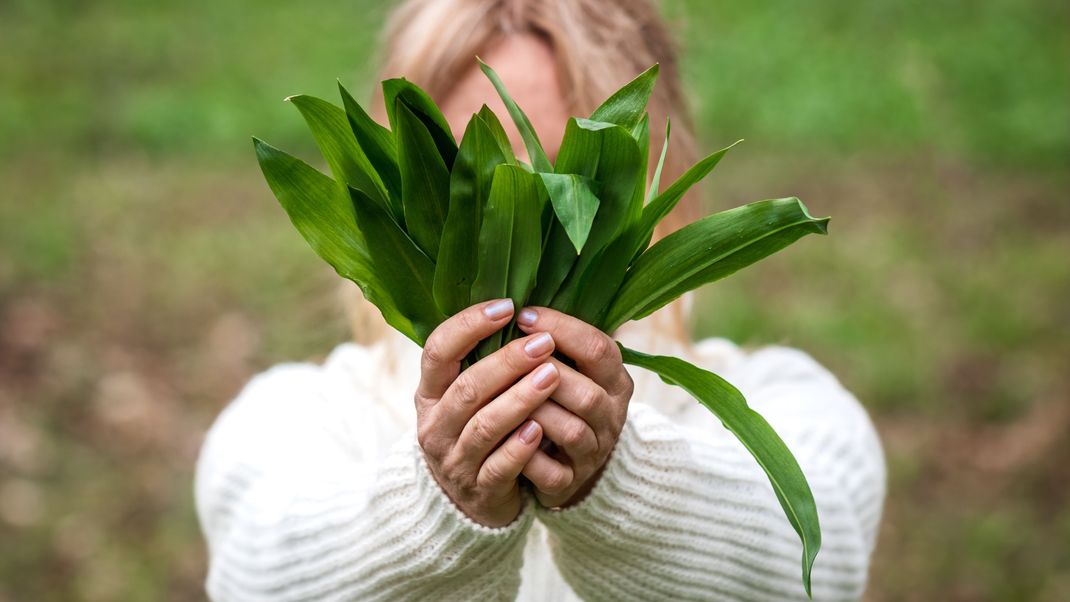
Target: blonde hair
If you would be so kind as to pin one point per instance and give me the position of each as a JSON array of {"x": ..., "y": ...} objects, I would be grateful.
[{"x": 598, "y": 46}]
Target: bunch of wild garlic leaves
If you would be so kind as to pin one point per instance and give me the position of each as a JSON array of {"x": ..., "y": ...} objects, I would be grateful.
[{"x": 427, "y": 227}]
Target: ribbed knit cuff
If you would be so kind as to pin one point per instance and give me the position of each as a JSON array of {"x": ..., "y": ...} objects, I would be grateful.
[{"x": 457, "y": 520}]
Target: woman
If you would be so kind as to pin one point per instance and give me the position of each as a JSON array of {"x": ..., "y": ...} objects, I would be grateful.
[{"x": 328, "y": 482}]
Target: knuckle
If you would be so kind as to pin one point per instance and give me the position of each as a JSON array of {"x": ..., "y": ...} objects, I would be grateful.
[
  {"x": 557, "y": 481},
  {"x": 482, "y": 432},
  {"x": 574, "y": 433},
  {"x": 599, "y": 348},
  {"x": 628, "y": 385},
  {"x": 450, "y": 466},
  {"x": 424, "y": 435},
  {"x": 468, "y": 319},
  {"x": 493, "y": 474},
  {"x": 465, "y": 392},
  {"x": 432, "y": 356},
  {"x": 515, "y": 358},
  {"x": 589, "y": 400}
]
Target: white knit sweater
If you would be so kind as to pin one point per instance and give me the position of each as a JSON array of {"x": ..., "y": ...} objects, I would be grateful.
[{"x": 311, "y": 486}]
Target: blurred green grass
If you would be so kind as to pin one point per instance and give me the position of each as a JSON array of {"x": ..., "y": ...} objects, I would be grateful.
[{"x": 145, "y": 271}]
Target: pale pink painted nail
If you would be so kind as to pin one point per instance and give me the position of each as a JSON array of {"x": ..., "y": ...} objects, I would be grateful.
[
  {"x": 539, "y": 344},
  {"x": 542, "y": 377},
  {"x": 527, "y": 317},
  {"x": 529, "y": 432},
  {"x": 499, "y": 309}
]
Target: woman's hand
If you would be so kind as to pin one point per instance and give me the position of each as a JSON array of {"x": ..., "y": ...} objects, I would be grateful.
[
  {"x": 588, "y": 409},
  {"x": 467, "y": 423}
]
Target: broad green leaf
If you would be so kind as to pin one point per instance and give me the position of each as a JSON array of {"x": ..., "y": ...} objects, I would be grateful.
[
  {"x": 656, "y": 182},
  {"x": 558, "y": 257},
  {"x": 707, "y": 250},
  {"x": 664, "y": 203},
  {"x": 421, "y": 104},
  {"x": 498, "y": 131},
  {"x": 609, "y": 155},
  {"x": 539, "y": 161},
  {"x": 324, "y": 216},
  {"x": 378, "y": 144},
  {"x": 405, "y": 270},
  {"x": 727, "y": 403},
  {"x": 627, "y": 105},
  {"x": 470, "y": 184},
  {"x": 574, "y": 204},
  {"x": 509, "y": 242},
  {"x": 347, "y": 160},
  {"x": 598, "y": 283},
  {"x": 425, "y": 181}
]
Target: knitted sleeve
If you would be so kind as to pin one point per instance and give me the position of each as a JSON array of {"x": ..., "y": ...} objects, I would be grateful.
[
  {"x": 682, "y": 512},
  {"x": 297, "y": 504}
]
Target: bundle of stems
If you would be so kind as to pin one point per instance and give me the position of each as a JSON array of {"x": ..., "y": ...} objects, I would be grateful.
[{"x": 426, "y": 227}]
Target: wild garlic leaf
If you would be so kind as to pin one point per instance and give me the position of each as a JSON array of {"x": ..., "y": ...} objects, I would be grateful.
[
  {"x": 495, "y": 126},
  {"x": 322, "y": 213},
  {"x": 539, "y": 161},
  {"x": 510, "y": 242},
  {"x": 655, "y": 183},
  {"x": 425, "y": 181},
  {"x": 420, "y": 104},
  {"x": 775, "y": 458},
  {"x": 411, "y": 273},
  {"x": 574, "y": 204},
  {"x": 378, "y": 144},
  {"x": 470, "y": 184},
  {"x": 627, "y": 105},
  {"x": 609, "y": 155},
  {"x": 707, "y": 250},
  {"x": 660, "y": 207},
  {"x": 336, "y": 142}
]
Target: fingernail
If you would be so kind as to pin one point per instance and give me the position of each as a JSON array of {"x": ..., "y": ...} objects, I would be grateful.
[
  {"x": 499, "y": 309},
  {"x": 529, "y": 431},
  {"x": 527, "y": 317},
  {"x": 544, "y": 375},
  {"x": 540, "y": 344}
]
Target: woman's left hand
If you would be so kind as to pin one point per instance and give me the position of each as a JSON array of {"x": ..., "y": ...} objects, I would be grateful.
[{"x": 587, "y": 411}]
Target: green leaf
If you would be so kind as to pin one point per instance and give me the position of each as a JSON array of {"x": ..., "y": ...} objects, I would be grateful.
[
  {"x": 510, "y": 242},
  {"x": 627, "y": 105},
  {"x": 498, "y": 131},
  {"x": 641, "y": 134},
  {"x": 378, "y": 144},
  {"x": 664, "y": 203},
  {"x": 347, "y": 160},
  {"x": 574, "y": 204},
  {"x": 598, "y": 283},
  {"x": 656, "y": 182},
  {"x": 727, "y": 403},
  {"x": 470, "y": 184},
  {"x": 610, "y": 156},
  {"x": 538, "y": 157},
  {"x": 707, "y": 250},
  {"x": 405, "y": 270},
  {"x": 324, "y": 216},
  {"x": 421, "y": 104},
  {"x": 558, "y": 257},
  {"x": 425, "y": 181}
]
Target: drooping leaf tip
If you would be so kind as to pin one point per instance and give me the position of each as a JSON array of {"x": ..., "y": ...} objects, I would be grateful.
[{"x": 820, "y": 225}]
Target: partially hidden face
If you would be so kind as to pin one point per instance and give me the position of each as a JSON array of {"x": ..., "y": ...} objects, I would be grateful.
[{"x": 526, "y": 64}]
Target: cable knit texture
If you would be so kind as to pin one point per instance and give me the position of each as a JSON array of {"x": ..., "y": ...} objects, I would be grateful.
[{"x": 311, "y": 486}]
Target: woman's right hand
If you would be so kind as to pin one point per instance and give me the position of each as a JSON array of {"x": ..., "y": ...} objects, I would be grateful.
[{"x": 472, "y": 425}]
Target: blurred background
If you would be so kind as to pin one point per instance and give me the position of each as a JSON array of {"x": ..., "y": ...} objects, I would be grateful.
[{"x": 146, "y": 271}]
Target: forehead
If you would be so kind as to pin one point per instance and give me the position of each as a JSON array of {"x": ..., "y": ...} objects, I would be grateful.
[{"x": 526, "y": 65}]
